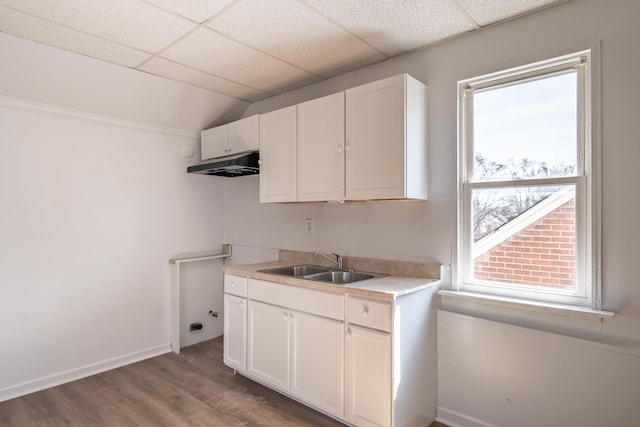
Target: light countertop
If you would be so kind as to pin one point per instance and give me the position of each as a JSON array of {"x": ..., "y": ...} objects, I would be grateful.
[{"x": 387, "y": 287}]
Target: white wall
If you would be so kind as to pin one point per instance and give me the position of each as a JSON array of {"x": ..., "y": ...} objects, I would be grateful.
[
  {"x": 367, "y": 229},
  {"x": 567, "y": 382},
  {"x": 92, "y": 211},
  {"x": 425, "y": 231},
  {"x": 53, "y": 76},
  {"x": 92, "y": 208}
]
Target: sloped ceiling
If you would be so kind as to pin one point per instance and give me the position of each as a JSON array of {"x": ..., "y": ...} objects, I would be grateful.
[{"x": 250, "y": 49}]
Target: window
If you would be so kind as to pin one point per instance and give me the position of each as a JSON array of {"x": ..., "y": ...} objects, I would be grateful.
[{"x": 525, "y": 194}]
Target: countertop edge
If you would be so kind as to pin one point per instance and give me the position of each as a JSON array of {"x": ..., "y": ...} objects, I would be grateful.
[{"x": 388, "y": 287}]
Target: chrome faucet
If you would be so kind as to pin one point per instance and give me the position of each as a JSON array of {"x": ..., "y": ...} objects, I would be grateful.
[{"x": 337, "y": 261}]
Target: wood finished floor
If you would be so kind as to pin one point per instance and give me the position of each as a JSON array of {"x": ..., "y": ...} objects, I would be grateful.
[{"x": 190, "y": 389}]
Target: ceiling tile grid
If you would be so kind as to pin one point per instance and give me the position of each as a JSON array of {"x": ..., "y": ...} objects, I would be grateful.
[
  {"x": 46, "y": 32},
  {"x": 489, "y": 12},
  {"x": 290, "y": 31},
  {"x": 175, "y": 71},
  {"x": 250, "y": 49},
  {"x": 198, "y": 11},
  {"x": 395, "y": 27},
  {"x": 131, "y": 23},
  {"x": 214, "y": 53}
]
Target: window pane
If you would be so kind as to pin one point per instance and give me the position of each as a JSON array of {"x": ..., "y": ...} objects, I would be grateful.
[
  {"x": 526, "y": 130},
  {"x": 525, "y": 236}
]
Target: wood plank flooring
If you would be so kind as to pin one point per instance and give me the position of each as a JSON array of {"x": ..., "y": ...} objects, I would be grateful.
[{"x": 190, "y": 389}]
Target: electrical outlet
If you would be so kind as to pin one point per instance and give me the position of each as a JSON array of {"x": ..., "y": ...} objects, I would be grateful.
[{"x": 309, "y": 226}]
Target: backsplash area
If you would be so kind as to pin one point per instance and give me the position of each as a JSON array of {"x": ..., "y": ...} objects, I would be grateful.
[{"x": 429, "y": 270}]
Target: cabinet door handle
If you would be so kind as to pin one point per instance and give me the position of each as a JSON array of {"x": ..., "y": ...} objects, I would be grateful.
[
  {"x": 233, "y": 285},
  {"x": 365, "y": 311},
  {"x": 348, "y": 332},
  {"x": 260, "y": 161},
  {"x": 339, "y": 149},
  {"x": 241, "y": 305},
  {"x": 347, "y": 147}
]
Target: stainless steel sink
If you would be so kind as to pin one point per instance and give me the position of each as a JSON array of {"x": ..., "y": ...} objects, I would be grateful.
[
  {"x": 340, "y": 277},
  {"x": 296, "y": 270},
  {"x": 322, "y": 274}
]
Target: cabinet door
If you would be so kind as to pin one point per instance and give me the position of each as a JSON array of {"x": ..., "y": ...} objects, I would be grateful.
[
  {"x": 278, "y": 156},
  {"x": 268, "y": 352},
  {"x": 213, "y": 142},
  {"x": 317, "y": 361},
  {"x": 243, "y": 135},
  {"x": 368, "y": 373},
  {"x": 321, "y": 149},
  {"x": 375, "y": 142},
  {"x": 235, "y": 332}
]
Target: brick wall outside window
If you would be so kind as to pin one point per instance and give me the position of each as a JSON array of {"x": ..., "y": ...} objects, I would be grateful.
[{"x": 542, "y": 254}]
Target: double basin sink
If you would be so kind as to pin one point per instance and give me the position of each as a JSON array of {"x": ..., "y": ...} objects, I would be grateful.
[{"x": 322, "y": 274}]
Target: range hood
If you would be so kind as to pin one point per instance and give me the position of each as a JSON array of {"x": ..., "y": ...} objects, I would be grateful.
[{"x": 240, "y": 164}]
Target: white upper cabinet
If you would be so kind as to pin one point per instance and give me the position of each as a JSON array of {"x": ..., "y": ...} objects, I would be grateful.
[
  {"x": 367, "y": 143},
  {"x": 235, "y": 137},
  {"x": 278, "y": 156},
  {"x": 213, "y": 142},
  {"x": 321, "y": 149},
  {"x": 386, "y": 140}
]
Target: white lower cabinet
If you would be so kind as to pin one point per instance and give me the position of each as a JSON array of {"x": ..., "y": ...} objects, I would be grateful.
[
  {"x": 235, "y": 322},
  {"x": 235, "y": 332},
  {"x": 368, "y": 377},
  {"x": 295, "y": 349},
  {"x": 366, "y": 361},
  {"x": 298, "y": 353},
  {"x": 268, "y": 358},
  {"x": 317, "y": 362},
  {"x": 368, "y": 364}
]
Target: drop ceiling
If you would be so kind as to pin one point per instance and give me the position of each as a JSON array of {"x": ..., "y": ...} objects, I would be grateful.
[{"x": 250, "y": 49}]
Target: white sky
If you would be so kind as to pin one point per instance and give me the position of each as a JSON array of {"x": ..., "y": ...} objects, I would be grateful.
[{"x": 535, "y": 120}]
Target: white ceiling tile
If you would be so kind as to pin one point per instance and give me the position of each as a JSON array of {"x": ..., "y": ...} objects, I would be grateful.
[
  {"x": 291, "y": 31},
  {"x": 196, "y": 10},
  {"x": 250, "y": 48},
  {"x": 45, "y": 32},
  {"x": 397, "y": 26},
  {"x": 132, "y": 23},
  {"x": 172, "y": 70},
  {"x": 213, "y": 53},
  {"x": 486, "y": 13}
]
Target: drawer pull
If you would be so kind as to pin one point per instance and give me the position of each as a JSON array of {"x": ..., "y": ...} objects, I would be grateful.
[{"x": 365, "y": 311}]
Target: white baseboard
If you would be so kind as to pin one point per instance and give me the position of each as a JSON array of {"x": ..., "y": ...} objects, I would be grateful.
[
  {"x": 53, "y": 380},
  {"x": 456, "y": 419}
]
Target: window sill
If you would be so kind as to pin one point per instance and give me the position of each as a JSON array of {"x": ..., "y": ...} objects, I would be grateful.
[{"x": 529, "y": 305}]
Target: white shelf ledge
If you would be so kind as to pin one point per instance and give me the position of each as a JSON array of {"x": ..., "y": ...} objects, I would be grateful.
[
  {"x": 226, "y": 253},
  {"x": 558, "y": 309}
]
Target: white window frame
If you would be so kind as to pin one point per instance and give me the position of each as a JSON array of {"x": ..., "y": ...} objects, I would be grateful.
[{"x": 586, "y": 185}]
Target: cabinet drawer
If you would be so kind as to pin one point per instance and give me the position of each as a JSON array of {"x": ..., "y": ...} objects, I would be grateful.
[
  {"x": 370, "y": 313},
  {"x": 235, "y": 285},
  {"x": 325, "y": 304}
]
